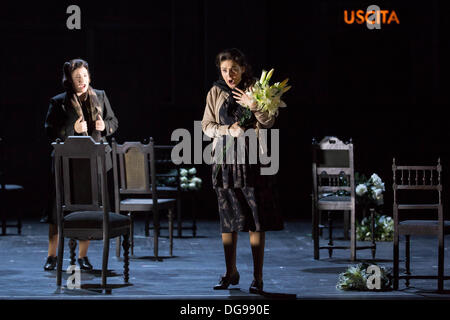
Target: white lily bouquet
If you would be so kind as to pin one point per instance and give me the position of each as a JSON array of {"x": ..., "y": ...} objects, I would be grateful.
[
  {"x": 266, "y": 96},
  {"x": 370, "y": 191},
  {"x": 188, "y": 180}
]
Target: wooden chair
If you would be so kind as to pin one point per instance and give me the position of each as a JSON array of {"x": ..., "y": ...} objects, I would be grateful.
[
  {"x": 7, "y": 192},
  {"x": 423, "y": 180},
  {"x": 167, "y": 169},
  {"x": 136, "y": 188},
  {"x": 333, "y": 171},
  {"x": 88, "y": 220}
]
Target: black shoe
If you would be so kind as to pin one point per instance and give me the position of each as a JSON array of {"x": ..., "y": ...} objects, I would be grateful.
[
  {"x": 226, "y": 281},
  {"x": 50, "y": 264},
  {"x": 85, "y": 264},
  {"x": 256, "y": 287}
]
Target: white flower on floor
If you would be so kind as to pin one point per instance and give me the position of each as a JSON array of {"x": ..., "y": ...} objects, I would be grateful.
[
  {"x": 377, "y": 193},
  {"x": 361, "y": 189}
]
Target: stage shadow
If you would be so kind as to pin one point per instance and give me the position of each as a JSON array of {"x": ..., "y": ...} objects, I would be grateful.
[
  {"x": 85, "y": 275},
  {"x": 188, "y": 237},
  {"x": 183, "y": 237},
  {"x": 432, "y": 293},
  {"x": 152, "y": 258},
  {"x": 332, "y": 270},
  {"x": 238, "y": 293},
  {"x": 278, "y": 295},
  {"x": 348, "y": 261},
  {"x": 89, "y": 289},
  {"x": 9, "y": 272},
  {"x": 98, "y": 273}
]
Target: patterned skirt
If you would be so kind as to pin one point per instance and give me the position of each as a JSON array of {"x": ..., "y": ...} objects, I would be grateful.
[{"x": 247, "y": 200}]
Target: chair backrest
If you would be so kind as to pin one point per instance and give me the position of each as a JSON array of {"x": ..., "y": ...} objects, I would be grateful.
[
  {"x": 333, "y": 167},
  {"x": 80, "y": 176},
  {"x": 417, "y": 179},
  {"x": 134, "y": 169}
]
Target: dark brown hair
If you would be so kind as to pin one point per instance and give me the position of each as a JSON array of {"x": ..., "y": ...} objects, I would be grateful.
[
  {"x": 237, "y": 56},
  {"x": 68, "y": 68}
]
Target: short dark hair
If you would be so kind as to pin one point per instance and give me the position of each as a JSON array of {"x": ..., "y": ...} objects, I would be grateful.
[
  {"x": 68, "y": 68},
  {"x": 237, "y": 56}
]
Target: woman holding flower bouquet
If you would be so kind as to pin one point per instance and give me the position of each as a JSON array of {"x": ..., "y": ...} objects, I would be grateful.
[{"x": 246, "y": 199}]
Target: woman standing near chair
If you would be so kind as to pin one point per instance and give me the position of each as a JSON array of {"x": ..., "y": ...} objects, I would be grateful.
[
  {"x": 246, "y": 198},
  {"x": 80, "y": 110}
]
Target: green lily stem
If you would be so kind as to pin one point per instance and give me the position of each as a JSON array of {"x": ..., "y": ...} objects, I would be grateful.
[{"x": 229, "y": 143}]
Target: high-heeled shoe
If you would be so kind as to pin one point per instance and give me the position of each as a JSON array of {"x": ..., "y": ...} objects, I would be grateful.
[
  {"x": 85, "y": 264},
  {"x": 225, "y": 281},
  {"x": 256, "y": 287},
  {"x": 50, "y": 264}
]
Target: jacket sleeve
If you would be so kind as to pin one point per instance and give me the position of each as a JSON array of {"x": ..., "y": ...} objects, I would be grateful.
[
  {"x": 209, "y": 125},
  {"x": 110, "y": 120},
  {"x": 265, "y": 120},
  {"x": 55, "y": 122}
]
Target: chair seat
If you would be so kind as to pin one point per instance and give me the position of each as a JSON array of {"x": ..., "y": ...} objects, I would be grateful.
[
  {"x": 167, "y": 188},
  {"x": 12, "y": 187},
  {"x": 335, "y": 198},
  {"x": 93, "y": 220},
  {"x": 335, "y": 203},
  {"x": 144, "y": 204},
  {"x": 421, "y": 227}
]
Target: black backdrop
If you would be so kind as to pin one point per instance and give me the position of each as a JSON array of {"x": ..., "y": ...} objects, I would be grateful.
[{"x": 387, "y": 89}]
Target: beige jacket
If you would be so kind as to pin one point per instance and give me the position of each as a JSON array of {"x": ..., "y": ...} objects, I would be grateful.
[{"x": 210, "y": 122}]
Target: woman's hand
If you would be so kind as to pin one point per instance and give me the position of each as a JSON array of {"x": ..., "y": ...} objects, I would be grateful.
[
  {"x": 242, "y": 98},
  {"x": 99, "y": 123},
  {"x": 80, "y": 126},
  {"x": 235, "y": 130}
]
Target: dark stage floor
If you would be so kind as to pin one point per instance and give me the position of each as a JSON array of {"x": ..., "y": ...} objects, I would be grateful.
[{"x": 289, "y": 271}]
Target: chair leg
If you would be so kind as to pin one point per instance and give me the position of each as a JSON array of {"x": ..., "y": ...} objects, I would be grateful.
[
  {"x": 352, "y": 235},
  {"x": 19, "y": 224},
  {"x": 118, "y": 246},
  {"x": 346, "y": 223},
  {"x": 330, "y": 234},
  {"x": 3, "y": 222},
  {"x": 179, "y": 220},
  {"x": 319, "y": 218},
  {"x": 155, "y": 234},
  {"x": 72, "y": 247},
  {"x": 441, "y": 263},
  {"x": 147, "y": 227},
  {"x": 396, "y": 261},
  {"x": 315, "y": 233},
  {"x": 170, "y": 216},
  {"x": 132, "y": 232},
  {"x": 194, "y": 222},
  {"x": 407, "y": 257},
  {"x": 59, "y": 259},
  {"x": 126, "y": 246},
  {"x": 105, "y": 261}
]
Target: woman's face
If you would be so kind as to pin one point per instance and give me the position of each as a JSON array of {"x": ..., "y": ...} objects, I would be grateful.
[
  {"x": 231, "y": 73},
  {"x": 80, "y": 80}
]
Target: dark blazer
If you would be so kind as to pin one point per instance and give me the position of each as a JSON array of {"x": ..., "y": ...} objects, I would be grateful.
[{"x": 61, "y": 117}]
